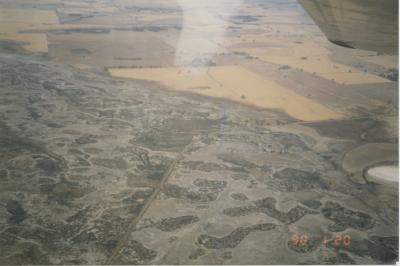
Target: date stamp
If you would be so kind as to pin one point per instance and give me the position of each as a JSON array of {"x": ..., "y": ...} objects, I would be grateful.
[{"x": 338, "y": 240}]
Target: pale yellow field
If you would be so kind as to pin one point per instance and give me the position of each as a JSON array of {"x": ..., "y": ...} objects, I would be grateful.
[
  {"x": 312, "y": 58},
  {"x": 34, "y": 42},
  {"x": 234, "y": 83},
  {"x": 29, "y": 16},
  {"x": 13, "y": 21}
]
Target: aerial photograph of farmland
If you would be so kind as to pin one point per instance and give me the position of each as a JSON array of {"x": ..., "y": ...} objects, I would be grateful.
[{"x": 199, "y": 132}]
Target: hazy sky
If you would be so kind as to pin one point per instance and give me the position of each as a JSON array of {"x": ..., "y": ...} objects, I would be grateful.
[{"x": 206, "y": 20}]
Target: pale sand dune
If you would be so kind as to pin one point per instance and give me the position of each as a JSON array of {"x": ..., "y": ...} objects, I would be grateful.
[{"x": 234, "y": 83}]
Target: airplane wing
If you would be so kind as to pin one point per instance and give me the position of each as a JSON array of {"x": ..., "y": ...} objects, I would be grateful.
[{"x": 362, "y": 24}]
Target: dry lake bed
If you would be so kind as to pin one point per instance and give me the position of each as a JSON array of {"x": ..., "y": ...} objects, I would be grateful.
[{"x": 192, "y": 132}]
